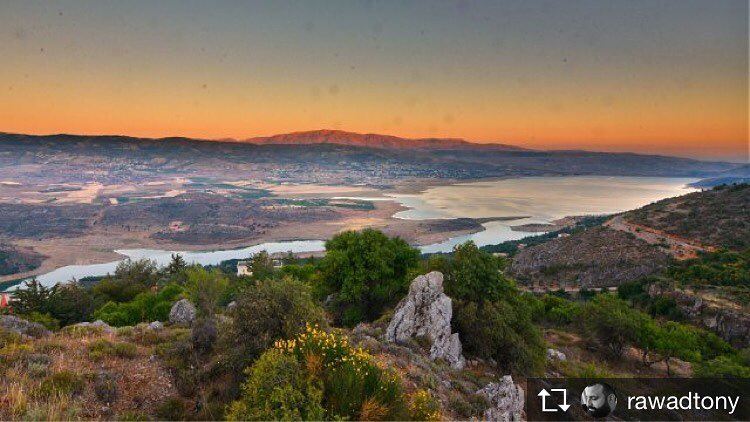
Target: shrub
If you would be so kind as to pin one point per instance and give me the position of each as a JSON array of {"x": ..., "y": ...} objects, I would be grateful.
[
  {"x": 102, "y": 348},
  {"x": 318, "y": 375},
  {"x": 264, "y": 313},
  {"x": 205, "y": 288},
  {"x": 203, "y": 335},
  {"x": 45, "y": 319},
  {"x": 145, "y": 307},
  {"x": 173, "y": 409},
  {"x": 500, "y": 330},
  {"x": 64, "y": 383},
  {"x": 614, "y": 324},
  {"x": 474, "y": 275},
  {"x": 423, "y": 407},
  {"x": 367, "y": 271},
  {"x": 721, "y": 367}
]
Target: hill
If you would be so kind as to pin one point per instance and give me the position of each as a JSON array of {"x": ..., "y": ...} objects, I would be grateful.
[
  {"x": 639, "y": 242},
  {"x": 374, "y": 140},
  {"x": 118, "y": 159},
  {"x": 732, "y": 177},
  {"x": 717, "y": 217}
]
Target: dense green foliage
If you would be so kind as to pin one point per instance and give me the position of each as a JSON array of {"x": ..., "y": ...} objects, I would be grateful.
[
  {"x": 366, "y": 271},
  {"x": 265, "y": 312},
  {"x": 145, "y": 307},
  {"x": 64, "y": 303},
  {"x": 491, "y": 316},
  {"x": 721, "y": 268},
  {"x": 130, "y": 279}
]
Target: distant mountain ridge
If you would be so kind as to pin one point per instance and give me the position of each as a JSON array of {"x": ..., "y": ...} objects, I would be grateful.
[{"x": 374, "y": 140}]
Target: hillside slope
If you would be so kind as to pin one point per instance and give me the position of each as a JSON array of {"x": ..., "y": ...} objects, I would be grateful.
[{"x": 639, "y": 242}]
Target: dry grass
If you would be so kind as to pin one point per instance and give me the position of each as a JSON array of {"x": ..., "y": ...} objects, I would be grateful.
[{"x": 142, "y": 385}]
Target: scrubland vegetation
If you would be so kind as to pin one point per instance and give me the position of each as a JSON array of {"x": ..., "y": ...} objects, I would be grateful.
[{"x": 280, "y": 344}]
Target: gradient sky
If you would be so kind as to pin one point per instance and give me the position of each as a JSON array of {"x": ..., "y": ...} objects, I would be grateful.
[{"x": 648, "y": 76}]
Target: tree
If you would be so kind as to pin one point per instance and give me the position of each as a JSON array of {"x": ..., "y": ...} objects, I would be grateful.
[
  {"x": 261, "y": 265},
  {"x": 130, "y": 279},
  {"x": 676, "y": 340},
  {"x": 475, "y": 275},
  {"x": 32, "y": 298},
  {"x": 71, "y": 303},
  {"x": 613, "y": 323},
  {"x": 366, "y": 271},
  {"x": 491, "y": 316}
]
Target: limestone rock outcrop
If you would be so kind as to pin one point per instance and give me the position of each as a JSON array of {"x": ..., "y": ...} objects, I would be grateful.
[
  {"x": 182, "y": 313},
  {"x": 506, "y": 400},
  {"x": 426, "y": 312},
  {"x": 23, "y": 327}
]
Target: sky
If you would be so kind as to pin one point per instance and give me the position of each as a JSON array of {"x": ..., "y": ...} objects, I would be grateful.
[{"x": 667, "y": 77}]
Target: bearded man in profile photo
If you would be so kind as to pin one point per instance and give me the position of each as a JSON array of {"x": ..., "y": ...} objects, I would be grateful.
[{"x": 599, "y": 400}]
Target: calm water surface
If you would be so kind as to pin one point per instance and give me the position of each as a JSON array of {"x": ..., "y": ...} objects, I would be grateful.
[{"x": 542, "y": 199}]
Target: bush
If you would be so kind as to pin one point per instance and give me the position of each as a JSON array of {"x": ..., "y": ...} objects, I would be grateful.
[
  {"x": 367, "y": 271},
  {"x": 264, "y": 313},
  {"x": 105, "y": 387},
  {"x": 500, "y": 330},
  {"x": 614, "y": 324},
  {"x": 205, "y": 288},
  {"x": 45, "y": 319},
  {"x": 102, "y": 348},
  {"x": 474, "y": 275},
  {"x": 173, "y": 409},
  {"x": 145, "y": 307},
  {"x": 423, "y": 407},
  {"x": 64, "y": 383},
  {"x": 317, "y": 376},
  {"x": 203, "y": 335},
  {"x": 721, "y": 367}
]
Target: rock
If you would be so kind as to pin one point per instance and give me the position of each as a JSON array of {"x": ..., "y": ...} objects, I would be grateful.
[
  {"x": 231, "y": 305},
  {"x": 426, "y": 312},
  {"x": 155, "y": 325},
  {"x": 21, "y": 326},
  {"x": 506, "y": 400},
  {"x": 98, "y": 325},
  {"x": 553, "y": 354},
  {"x": 182, "y": 312}
]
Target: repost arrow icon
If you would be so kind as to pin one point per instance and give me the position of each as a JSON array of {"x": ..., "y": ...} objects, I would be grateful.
[
  {"x": 544, "y": 394},
  {"x": 565, "y": 404}
]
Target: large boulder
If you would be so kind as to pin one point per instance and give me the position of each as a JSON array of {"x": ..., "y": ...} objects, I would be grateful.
[
  {"x": 506, "y": 400},
  {"x": 426, "y": 312},
  {"x": 21, "y": 326},
  {"x": 182, "y": 313}
]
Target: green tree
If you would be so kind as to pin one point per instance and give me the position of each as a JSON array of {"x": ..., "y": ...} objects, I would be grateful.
[
  {"x": 366, "y": 271},
  {"x": 130, "y": 279},
  {"x": 675, "y": 340},
  {"x": 261, "y": 265},
  {"x": 613, "y": 323},
  {"x": 32, "y": 298},
  {"x": 475, "y": 275}
]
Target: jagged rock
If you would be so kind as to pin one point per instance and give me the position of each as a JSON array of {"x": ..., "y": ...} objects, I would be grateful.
[
  {"x": 426, "y": 312},
  {"x": 23, "y": 327},
  {"x": 506, "y": 400},
  {"x": 155, "y": 325},
  {"x": 182, "y": 312},
  {"x": 553, "y": 354}
]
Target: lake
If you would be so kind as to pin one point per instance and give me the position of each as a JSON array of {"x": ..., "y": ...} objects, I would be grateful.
[{"x": 542, "y": 199}]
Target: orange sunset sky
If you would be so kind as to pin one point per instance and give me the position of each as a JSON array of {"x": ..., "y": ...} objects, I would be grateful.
[{"x": 665, "y": 77}]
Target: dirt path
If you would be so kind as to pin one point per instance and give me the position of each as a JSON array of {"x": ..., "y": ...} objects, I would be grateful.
[{"x": 679, "y": 247}]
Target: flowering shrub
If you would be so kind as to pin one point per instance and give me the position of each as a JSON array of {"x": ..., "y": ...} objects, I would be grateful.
[{"x": 319, "y": 375}]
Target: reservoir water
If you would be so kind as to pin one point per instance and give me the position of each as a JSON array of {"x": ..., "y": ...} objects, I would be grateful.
[{"x": 541, "y": 199}]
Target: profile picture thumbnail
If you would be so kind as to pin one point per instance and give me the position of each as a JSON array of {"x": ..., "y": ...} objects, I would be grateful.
[{"x": 599, "y": 400}]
